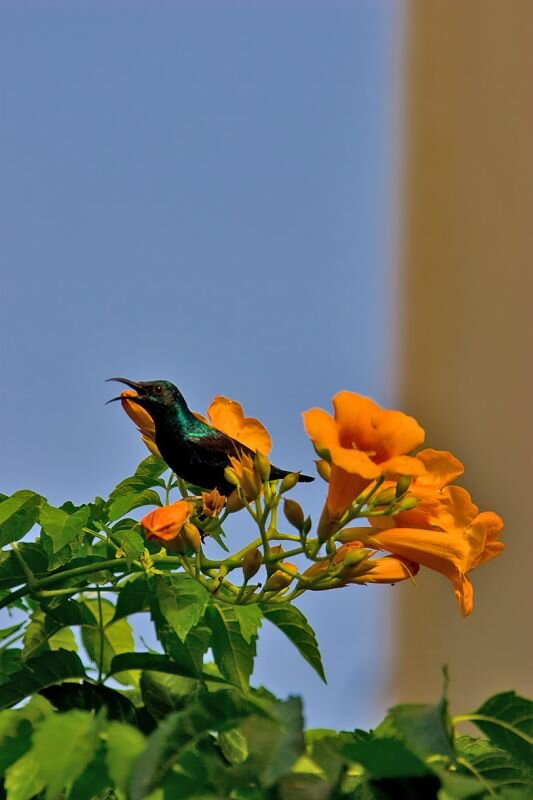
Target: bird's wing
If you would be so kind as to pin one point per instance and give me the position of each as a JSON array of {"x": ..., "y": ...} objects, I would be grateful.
[{"x": 217, "y": 443}]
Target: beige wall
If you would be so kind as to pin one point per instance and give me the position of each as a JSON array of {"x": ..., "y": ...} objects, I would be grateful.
[{"x": 466, "y": 350}]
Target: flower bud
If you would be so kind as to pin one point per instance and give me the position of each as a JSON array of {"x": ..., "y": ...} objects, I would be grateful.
[
  {"x": 212, "y": 503},
  {"x": 234, "y": 502},
  {"x": 306, "y": 527},
  {"x": 231, "y": 477},
  {"x": 294, "y": 513},
  {"x": 402, "y": 485},
  {"x": 408, "y": 503},
  {"x": 280, "y": 580},
  {"x": 251, "y": 484},
  {"x": 324, "y": 469},
  {"x": 385, "y": 497},
  {"x": 251, "y": 563},
  {"x": 191, "y": 536},
  {"x": 277, "y": 550},
  {"x": 322, "y": 452},
  {"x": 354, "y": 556},
  {"x": 262, "y": 466},
  {"x": 289, "y": 482}
]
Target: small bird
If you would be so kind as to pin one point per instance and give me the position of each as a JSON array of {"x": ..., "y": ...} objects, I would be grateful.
[{"x": 194, "y": 450}]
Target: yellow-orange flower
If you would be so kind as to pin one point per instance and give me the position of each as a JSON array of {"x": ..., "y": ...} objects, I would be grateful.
[
  {"x": 243, "y": 467},
  {"x": 164, "y": 525},
  {"x": 439, "y": 506},
  {"x": 454, "y": 553},
  {"x": 360, "y": 568},
  {"x": 364, "y": 442},
  {"x": 142, "y": 419},
  {"x": 228, "y": 416},
  {"x": 213, "y": 502}
]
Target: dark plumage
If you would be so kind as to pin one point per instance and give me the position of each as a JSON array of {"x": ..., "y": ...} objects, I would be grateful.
[{"x": 194, "y": 450}]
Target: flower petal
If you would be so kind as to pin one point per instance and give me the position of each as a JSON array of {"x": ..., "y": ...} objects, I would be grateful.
[
  {"x": 227, "y": 415},
  {"x": 442, "y": 467},
  {"x": 321, "y": 427}
]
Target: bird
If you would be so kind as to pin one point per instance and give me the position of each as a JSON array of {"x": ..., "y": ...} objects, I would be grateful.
[{"x": 196, "y": 451}]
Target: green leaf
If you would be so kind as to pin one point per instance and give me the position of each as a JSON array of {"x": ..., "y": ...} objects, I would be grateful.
[
  {"x": 507, "y": 720},
  {"x": 18, "y": 515},
  {"x": 39, "y": 634},
  {"x": 386, "y": 758},
  {"x": 124, "y": 744},
  {"x": 71, "y": 612},
  {"x": 23, "y": 780},
  {"x": 131, "y": 542},
  {"x": 94, "y": 783},
  {"x": 182, "y": 602},
  {"x": 294, "y": 625},
  {"x": 148, "y": 661},
  {"x": 117, "y": 637},
  {"x": 274, "y": 743},
  {"x": 63, "y": 746},
  {"x": 11, "y": 572},
  {"x": 163, "y": 693},
  {"x": 60, "y": 526},
  {"x": 5, "y": 633},
  {"x": 127, "y": 502},
  {"x": 492, "y": 763},
  {"x": 189, "y": 655},
  {"x": 91, "y": 697},
  {"x": 152, "y": 465},
  {"x": 424, "y": 728},
  {"x": 15, "y": 739},
  {"x": 233, "y": 745},
  {"x": 10, "y": 661},
  {"x": 135, "y": 597},
  {"x": 44, "y": 670},
  {"x": 234, "y": 655}
]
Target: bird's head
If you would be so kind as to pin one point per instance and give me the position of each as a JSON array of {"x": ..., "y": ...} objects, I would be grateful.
[{"x": 157, "y": 397}]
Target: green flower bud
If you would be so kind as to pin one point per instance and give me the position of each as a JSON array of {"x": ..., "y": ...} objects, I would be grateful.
[
  {"x": 408, "y": 503},
  {"x": 324, "y": 469},
  {"x": 306, "y": 527},
  {"x": 289, "y": 482},
  {"x": 402, "y": 485},
  {"x": 231, "y": 476},
  {"x": 322, "y": 452},
  {"x": 385, "y": 497},
  {"x": 262, "y": 466},
  {"x": 251, "y": 563},
  {"x": 279, "y": 579},
  {"x": 191, "y": 536},
  {"x": 294, "y": 513}
]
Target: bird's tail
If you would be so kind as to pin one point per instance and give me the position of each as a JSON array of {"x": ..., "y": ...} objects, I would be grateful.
[{"x": 305, "y": 479}]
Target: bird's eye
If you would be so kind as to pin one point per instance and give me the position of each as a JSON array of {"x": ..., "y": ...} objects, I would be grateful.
[{"x": 158, "y": 389}]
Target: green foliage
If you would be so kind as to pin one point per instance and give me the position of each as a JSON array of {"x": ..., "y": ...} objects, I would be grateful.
[{"x": 89, "y": 714}]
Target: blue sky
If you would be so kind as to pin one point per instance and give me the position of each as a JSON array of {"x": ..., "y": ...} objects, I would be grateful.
[{"x": 203, "y": 193}]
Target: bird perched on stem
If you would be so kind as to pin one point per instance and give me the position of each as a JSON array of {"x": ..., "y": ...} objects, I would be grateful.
[{"x": 193, "y": 449}]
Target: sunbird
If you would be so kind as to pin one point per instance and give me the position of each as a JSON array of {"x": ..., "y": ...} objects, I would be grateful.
[{"x": 194, "y": 450}]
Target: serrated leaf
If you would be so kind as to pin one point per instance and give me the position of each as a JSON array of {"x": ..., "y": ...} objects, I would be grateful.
[
  {"x": 18, "y": 515},
  {"x": 424, "y": 728},
  {"x": 135, "y": 597},
  {"x": 60, "y": 526},
  {"x": 63, "y": 746},
  {"x": 44, "y": 670},
  {"x": 127, "y": 502},
  {"x": 10, "y": 661},
  {"x": 492, "y": 763},
  {"x": 296, "y": 628},
  {"x": 507, "y": 720},
  {"x": 15, "y": 738},
  {"x": 38, "y": 632},
  {"x": 5, "y": 633},
  {"x": 182, "y": 602},
  {"x": 152, "y": 465},
  {"x": 189, "y": 654},
  {"x": 234, "y": 656},
  {"x": 23, "y": 780},
  {"x": 250, "y": 619},
  {"x": 124, "y": 744},
  {"x": 72, "y": 612},
  {"x": 386, "y": 758}
]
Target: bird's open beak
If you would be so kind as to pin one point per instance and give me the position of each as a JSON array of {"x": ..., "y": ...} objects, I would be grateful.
[{"x": 132, "y": 384}]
